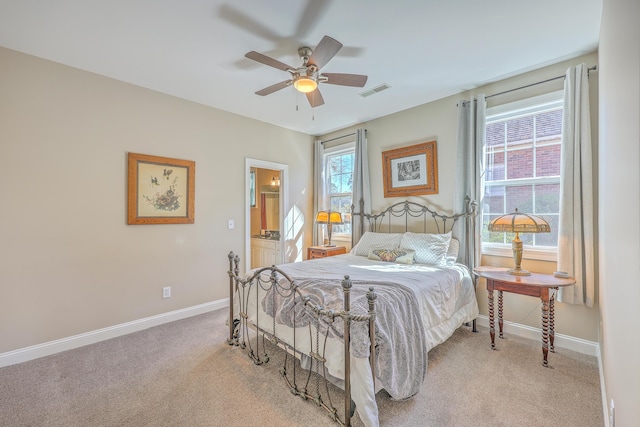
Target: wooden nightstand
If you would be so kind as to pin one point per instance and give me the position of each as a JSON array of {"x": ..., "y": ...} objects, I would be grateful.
[
  {"x": 325, "y": 251},
  {"x": 538, "y": 285}
]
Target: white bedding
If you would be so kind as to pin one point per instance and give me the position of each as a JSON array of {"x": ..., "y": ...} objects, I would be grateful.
[{"x": 445, "y": 296}]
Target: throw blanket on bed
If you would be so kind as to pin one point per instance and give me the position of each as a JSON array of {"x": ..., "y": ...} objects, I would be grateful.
[{"x": 401, "y": 360}]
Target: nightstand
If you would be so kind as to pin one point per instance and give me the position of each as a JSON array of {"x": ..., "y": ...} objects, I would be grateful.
[
  {"x": 325, "y": 251},
  {"x": 543, "y": 286}
]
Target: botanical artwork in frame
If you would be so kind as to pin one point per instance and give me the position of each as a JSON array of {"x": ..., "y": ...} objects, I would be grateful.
[
  {"x": 161, "y": 190},
  {"x": 410, "y": 171}
]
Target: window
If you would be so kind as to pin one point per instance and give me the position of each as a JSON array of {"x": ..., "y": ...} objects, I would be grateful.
[
  {"x": 522, "y": 160},
  {"x": 339, "y": 163}
]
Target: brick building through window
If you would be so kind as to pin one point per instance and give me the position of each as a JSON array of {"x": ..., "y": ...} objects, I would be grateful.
[{"x": 522, "y": 161}]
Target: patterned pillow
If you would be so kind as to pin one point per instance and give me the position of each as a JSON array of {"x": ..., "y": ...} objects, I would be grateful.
[
  {"x": 401, "y": 256},
  {"x": 371, "y": 239},
  {"x": 429, "y": 248}
]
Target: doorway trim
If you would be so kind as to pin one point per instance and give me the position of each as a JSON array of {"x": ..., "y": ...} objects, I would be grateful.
[{"x": 283, "y": 200}]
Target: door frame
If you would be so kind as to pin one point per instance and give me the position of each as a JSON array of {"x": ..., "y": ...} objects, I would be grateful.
[{"x": 283, "y": 200}]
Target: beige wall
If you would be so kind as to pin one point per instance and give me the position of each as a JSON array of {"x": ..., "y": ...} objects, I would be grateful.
[
  {"x": 72, "y": 265},
  {"x": 438, "y": 121},
  {"x": 68, "y": 262},
  {"x": 619, "y": 179}
]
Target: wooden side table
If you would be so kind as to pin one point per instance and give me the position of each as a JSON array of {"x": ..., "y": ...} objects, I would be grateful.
[
  {"x": 543, "y": 286},
  {"x": 325, "y": 251}
]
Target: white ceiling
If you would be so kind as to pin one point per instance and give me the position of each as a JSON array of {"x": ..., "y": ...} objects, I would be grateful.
[{"x": 194, "y": 49}]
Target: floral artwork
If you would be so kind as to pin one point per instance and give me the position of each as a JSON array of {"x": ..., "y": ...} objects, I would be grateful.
[
  {"x": 160, "y": 190},
  {"x": 165, "y": 196}
]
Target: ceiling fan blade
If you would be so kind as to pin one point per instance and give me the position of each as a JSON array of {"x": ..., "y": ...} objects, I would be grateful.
[
  {"x": 326, "y": 49},
  {"x": 267, "y": 60},
  {"x": 240, "y": 19},
  {"x": 312, "y": 14},
  {"x": 315, "y": 98},
  {"x": 357, "y": 80},
  {"x": 274, "y": 88}
]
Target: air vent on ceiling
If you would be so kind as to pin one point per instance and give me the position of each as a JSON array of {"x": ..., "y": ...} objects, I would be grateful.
[{"x": 374, "y": 90}]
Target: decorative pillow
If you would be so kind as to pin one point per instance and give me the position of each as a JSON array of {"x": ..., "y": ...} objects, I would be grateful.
[
  {"x": 401, "y": 256},
  {"x": 371, "y": 239},
  {"x": 429, "y": 248}
]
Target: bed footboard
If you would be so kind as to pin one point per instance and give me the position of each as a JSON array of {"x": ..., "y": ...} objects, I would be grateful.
[{"x": 304, "y": 369}]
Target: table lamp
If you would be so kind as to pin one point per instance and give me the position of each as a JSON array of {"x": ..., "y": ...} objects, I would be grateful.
[
  {"x": 518, "y": 222},
  {"x": 329, "y": 218}
]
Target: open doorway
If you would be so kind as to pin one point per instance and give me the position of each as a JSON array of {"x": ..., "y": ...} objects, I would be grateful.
[{"x": 266, "y": 201}]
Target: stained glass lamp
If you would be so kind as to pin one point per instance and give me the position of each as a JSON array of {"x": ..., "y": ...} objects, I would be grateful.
[{"x": 518, "y": 222}]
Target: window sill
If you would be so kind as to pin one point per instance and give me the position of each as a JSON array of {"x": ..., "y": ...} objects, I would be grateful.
[{"x": 550, "y": 254}]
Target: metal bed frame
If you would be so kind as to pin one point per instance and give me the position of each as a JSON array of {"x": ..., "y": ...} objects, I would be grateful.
[{"x": 301, "y": 381}]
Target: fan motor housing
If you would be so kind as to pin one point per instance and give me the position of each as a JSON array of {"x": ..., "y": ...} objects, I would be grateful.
[{"x": 305, "y": 53}]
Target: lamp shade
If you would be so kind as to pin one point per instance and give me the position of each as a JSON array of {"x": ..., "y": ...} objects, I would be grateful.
[
  {"x": 518, "y": 222},
  {"x": 328, "y": 217}
]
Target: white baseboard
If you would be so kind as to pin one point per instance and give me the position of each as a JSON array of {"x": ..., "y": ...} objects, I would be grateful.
[
  {"x": 75, "y": 341},
  {"x": 561, "y": 341},
  {"x": 603, "y": 390}
]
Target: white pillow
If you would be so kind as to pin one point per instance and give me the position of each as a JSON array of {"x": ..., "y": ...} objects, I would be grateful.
[
  {"x": 370, "y": 239},
  {"x": 430, "y": 248},
  {"x": 454, "y": 248}
]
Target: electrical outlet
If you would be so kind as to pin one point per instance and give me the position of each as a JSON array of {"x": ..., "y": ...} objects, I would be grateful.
[
  {"x": 166, "y": 292},
  {"x": 612, "y": 414}
]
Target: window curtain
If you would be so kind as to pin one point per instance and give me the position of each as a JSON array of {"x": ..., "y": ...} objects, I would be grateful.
[
  {"x": 361, "y": 184},
  {"x": 470, "y": 173},
  {"x": 318, "y": 188},
  {"x": 576, "y": 227}
]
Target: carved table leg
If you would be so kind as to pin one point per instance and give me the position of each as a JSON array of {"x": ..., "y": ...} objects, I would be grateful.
[
  {"x": 551, "y": 322},
  {"x": 545, "y": 331},
  {"x": 492, "y": 329},
  {"x": 500, "y": 322}
]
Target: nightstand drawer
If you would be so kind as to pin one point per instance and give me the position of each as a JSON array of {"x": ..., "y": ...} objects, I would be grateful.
[{"x": 324, "y": 251}]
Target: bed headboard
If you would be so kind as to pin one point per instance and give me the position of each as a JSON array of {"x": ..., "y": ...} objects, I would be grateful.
[{"x": 419, "y": 218}]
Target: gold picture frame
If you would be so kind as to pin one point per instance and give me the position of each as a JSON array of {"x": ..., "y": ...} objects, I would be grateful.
[
  {"x": 411, "y": 171},
  {"x": 161, "y": 190}
]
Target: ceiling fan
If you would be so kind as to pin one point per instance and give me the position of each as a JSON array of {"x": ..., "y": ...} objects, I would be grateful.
[{"x": 307, "y": 77}]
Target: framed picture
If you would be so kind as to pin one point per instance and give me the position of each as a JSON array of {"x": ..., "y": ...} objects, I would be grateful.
[
  {"x": 410, "y": 171},
  {"x": 161, "y": 190}
]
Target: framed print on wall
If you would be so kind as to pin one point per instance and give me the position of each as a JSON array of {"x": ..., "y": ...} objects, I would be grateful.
[
  {"x": 161, "y": 190},
  {"x": 410, "y": 171}
]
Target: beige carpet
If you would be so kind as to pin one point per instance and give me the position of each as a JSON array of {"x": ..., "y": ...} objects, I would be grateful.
[{"x": 183, "y": 374}]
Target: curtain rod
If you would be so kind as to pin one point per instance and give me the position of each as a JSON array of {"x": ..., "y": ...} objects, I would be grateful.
[
  {"x": 594, "y": 68},
  {"x": 340, "y": 137}
]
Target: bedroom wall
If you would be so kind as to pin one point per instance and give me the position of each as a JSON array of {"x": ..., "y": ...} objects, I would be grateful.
[
  {"x": 69, "y": 263},
  {"x": 619, "y": 179},
  {"x": 438, "y": 120}
]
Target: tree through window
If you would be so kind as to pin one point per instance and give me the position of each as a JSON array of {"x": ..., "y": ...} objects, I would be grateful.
[{"x": 339, "y": 172}]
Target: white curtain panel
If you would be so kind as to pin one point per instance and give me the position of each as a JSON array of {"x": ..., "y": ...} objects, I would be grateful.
[
  {"x": 361, "y": 183},
  {"x": 470, "y": 170},
  {"x": 576, "y": 227},
  {"x": 318, "y": 187}
]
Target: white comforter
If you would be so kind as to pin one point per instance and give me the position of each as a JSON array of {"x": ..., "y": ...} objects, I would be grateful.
[{"x": 445, "y": 297}]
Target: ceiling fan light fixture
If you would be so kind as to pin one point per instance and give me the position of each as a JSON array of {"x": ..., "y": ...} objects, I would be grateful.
[{"x": 305, "y": 84}]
